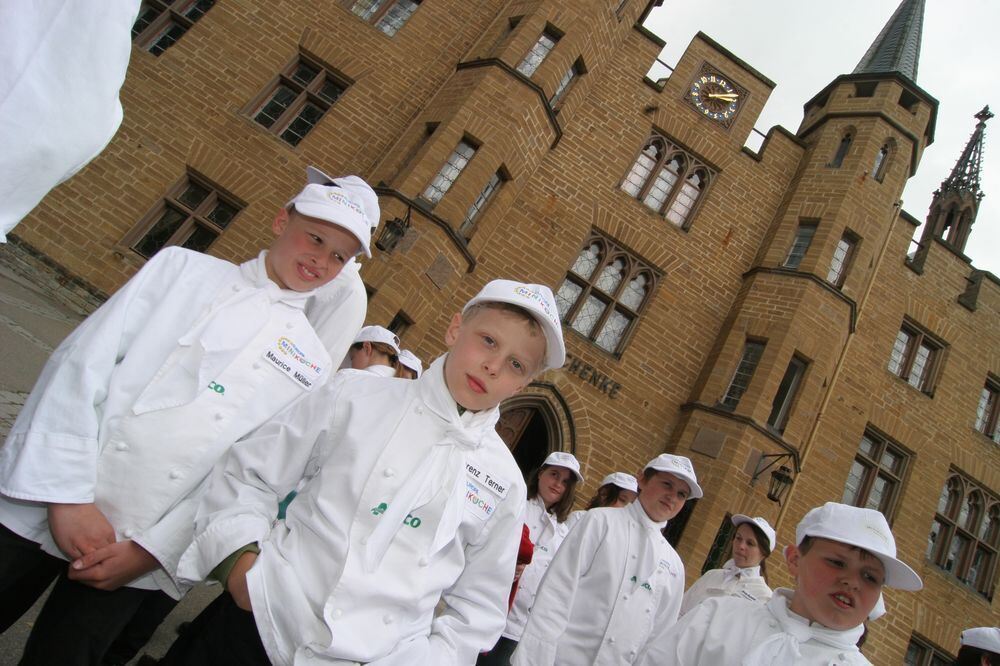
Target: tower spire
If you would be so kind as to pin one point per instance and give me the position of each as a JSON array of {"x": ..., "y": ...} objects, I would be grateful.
[
  {"x": 965, "y": 176},
  {"x": 897, "y": 47},
  {"x": 956, "y": 203}
]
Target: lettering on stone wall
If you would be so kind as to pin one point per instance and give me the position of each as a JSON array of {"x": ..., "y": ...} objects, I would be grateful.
[{"x": 592, "y": 376}]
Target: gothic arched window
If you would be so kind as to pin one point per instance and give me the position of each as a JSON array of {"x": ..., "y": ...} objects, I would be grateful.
[
  {"x": 964, "y": 534},
  {"x": 668, "y": 180},
  {"x": 845, "y": 145}
]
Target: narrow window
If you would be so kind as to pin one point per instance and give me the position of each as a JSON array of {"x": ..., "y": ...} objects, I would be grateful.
[
  {"x": 842, "y": 256},
  {"x": 605, "y": 293},
  {"x": 800, "y": 245},
  {"x": 881, "y": 159},
  {"x": 845, "y": 144},
  {"x": 686, "y": 198},
  {"x": 161, "y": 23},
  {"x": 533, "y": 58},
  {"x": 450, "y": 171},
  {"x": 620, "y": 9},
  {"x": 915, "y": 357},
  {"x": 921, "y": 652},
  {"x": 485, "y": 196},
  {"x": 565, "y": 83},
  {"x": 782, "y": 404},
  {"x": 400, "y": 323},
  {"x": 294, "y": 102},
  {"x": 876, "y": 476},
  {"x": 988, "y": 410},
  {"x": 192, "y": 214},
  {"x": 752, "y": 351}
]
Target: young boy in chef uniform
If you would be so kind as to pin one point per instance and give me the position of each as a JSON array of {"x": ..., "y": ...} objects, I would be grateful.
[
  {"x": 615, "y": 584},
  {"x": 106, "y": 461},
  {"x": 410, "y": 498},
  {"x": 842, "y": 558}
]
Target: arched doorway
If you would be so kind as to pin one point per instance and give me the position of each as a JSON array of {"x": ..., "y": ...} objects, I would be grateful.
[{"x": 530, "y": 429}]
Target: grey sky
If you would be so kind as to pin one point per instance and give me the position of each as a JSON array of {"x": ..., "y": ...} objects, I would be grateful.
[{"x": 802, "y": 45}]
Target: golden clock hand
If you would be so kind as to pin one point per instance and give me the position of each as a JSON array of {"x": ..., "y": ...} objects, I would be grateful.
[{"x": 728, "y": 97}]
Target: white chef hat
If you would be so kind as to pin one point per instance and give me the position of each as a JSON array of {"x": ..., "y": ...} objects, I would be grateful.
[
  {"x": 378, "y": 334},
  {"x": 982, "y": 638},
  {"x": 622, "y": 480},
  {"x": 410, "y": 360},
  {"x": 567, "y": 460},
  {"x": 348, "y": 202},
  {"x": 764, "y": 526},
  {"x": 678, "y": 466}
]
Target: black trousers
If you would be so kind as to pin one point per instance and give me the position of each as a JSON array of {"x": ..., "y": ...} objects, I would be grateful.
[
  {"x": 222, "y": 634},
  {"x": 78, "y": 623},
  {"x": 499, "y": 655},
  {"x": 150, "y": 614}
]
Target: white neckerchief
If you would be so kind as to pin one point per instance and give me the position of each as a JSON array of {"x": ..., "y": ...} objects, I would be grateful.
[
  {"x": 783, "y": 647},
  {"x": 732, "y": 571},
  {"x": 443, "y": 469},
  {"x": 650, "y": 535}
]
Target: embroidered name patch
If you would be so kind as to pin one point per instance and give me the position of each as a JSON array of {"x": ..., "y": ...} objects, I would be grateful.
[
  {"x": 494, "y": 484},
  {"x": 295, "y": 365}
]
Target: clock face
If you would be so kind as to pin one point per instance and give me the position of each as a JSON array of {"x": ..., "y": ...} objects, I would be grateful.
[{"x": 715, "y": 97}]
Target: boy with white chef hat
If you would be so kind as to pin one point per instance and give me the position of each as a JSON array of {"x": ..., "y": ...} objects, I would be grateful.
[
  {"x": 842, "y": 558},
  {"x": 410, "y": 498},
  {"x": 108, "y": 457},
  {"x": 615, "y": 584}
]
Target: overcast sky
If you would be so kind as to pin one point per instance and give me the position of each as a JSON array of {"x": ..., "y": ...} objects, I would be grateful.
[{"x": 802, "y": 45}]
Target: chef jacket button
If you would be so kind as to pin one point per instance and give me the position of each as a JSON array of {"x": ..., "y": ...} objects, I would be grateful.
[
  {"x": 649, "y": 610},
  {"x": 611, "y": 640},
  {"x": 308, "y": 653},
  {"x": 388, "y": 472},
  {"x": 337, "y": 612},
  {"x": 236, "y": 287},
  {"x": 219, "y": 416},
  {"x": 256, "y": 365},
  {"x": 419, "y": 410},
  {"x": 128, "y": 533},
  {"x": 174, "y": 474},
  {"x": 121, "y": 446},
  {"x": 364, "y": 540},
  {"x": 388, "y": 619},
  {"x": 625, "y": 597},
  {"x": 289, "y": 325},
  {"x": 423, "y": 561},
  {"x": 634, "y": 556},
  {"x": 631, "y": 655}
]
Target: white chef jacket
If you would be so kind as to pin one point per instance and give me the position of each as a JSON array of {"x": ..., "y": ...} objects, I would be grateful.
[
  {"x": 376, "y": 369},
  {"x": 546, "y": 535},
  {"x": 62, "y": 63},
  {"x": 614, "y": 586},
  {"x": 731, "y": 630},
  {"x": 136, "y": 405},
  {"x": 363, "y": 443},
  {"x": 716, "y": 583}
]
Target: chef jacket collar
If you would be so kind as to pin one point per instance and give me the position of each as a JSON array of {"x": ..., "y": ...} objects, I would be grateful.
[{"x": 255, "y": 272}]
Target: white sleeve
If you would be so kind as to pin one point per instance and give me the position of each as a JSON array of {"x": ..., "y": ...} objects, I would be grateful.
[
  {"x": 52, "y": 450},
  {"x": 557, "y": 591},
  {"x": 695, "y": 594},
  {"x": 475, "y": 610},
  {"x": 241, "y": 502},
  {"x": 682, "y": 644}
]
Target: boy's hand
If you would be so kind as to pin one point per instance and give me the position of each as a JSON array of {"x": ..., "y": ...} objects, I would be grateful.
[
  {"x": 236, "y": 583},
  {"x": 112, "y": 566},
  {"x": 79, "y": 529}
]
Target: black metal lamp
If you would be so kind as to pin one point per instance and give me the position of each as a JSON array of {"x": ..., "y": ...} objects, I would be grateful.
[
  {"x": 781, "y": 478},
  {"x": 393, "y": 232}
]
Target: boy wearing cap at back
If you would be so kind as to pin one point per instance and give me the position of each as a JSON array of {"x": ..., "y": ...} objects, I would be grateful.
[
  {"x": 410, "y": 498},
  {"x": 842, "y": 558},
  {"x": 615, "y": 584},
  {"x": 980, "y": 646},
  {"x": 106, "y": 461},
  {"x": 375, "y": 350}
]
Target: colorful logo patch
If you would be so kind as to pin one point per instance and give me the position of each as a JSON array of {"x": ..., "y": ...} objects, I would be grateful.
[
  {"x": 289, "y": 348},
  {"x": 536, "y": 297}
]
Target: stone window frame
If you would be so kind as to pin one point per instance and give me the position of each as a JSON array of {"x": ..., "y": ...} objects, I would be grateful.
[
  {"x": 873, "y": 467},
  {"x": 801, "y": 242},
  {"x": 883, "y": 159},
  {"x": 161, "y": 23},
  {"x": 921, "y": 652},
  {"x": 835, "y": 276},
  {"x": 312, "y": 92},
  {"x": 843, "y": 148},
  {"x": 568, "y": 81},
  {"x": 664, "y": 151},
  {"x": 968, "y": 511},
  {"x": 918, "y": 338},
  {"x": 634, "y": 267},
  {"x": 753, "y": 352},
  {"x": 483, "y": 201},
  {"x": 199, "y": 217},
  {"x": 787, "y": 393},
  {"x": 527, "y": 67},
  {"x": 987, "y": 421},
  {"x": 449, "y": 172},
  {"x": 380, "y": 14}
]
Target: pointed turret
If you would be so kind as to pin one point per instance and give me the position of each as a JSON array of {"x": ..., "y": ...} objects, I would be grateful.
[
  {"x": 897, "y": 47},
  {"x": 956, "y": 203}
]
